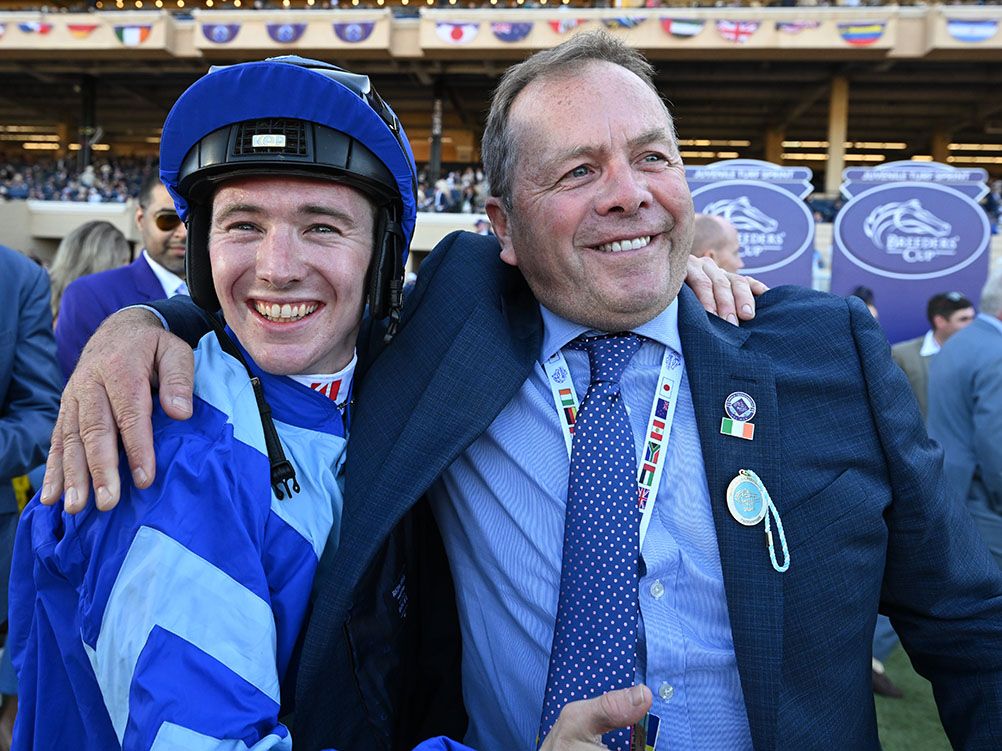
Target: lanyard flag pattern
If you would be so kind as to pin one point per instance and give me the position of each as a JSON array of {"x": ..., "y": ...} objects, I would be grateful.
[{"x": 595, "y": 637}]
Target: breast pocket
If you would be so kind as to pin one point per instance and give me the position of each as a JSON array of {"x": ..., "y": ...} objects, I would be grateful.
[{"x": 845, "y": 505}]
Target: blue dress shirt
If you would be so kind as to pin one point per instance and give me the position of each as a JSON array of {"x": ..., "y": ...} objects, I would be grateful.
[{"x": 500, "y": 507}]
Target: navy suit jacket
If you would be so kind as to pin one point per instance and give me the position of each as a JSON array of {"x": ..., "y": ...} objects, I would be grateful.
[
  {"x": 839, "y": 442},
  {"x": 30, "y": 384},
  {"x": 29, "y": 377},
  {"x": 87, "y": 301}
]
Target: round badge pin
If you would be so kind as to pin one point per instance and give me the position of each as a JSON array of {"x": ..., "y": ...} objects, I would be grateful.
[
  {"x": 739, "y": 406},
  {"x": 745, "y": 501}
]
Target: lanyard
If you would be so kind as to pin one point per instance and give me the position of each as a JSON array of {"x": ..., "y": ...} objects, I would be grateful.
[{"x": 655, "y": 449}]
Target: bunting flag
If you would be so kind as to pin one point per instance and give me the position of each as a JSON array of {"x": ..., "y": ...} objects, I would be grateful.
[
  {"x": 861, "y": 34},
  {"x": 971, "y": 31},
  {"x": 354, "y": 33},
  {"x": 511, "y": 32},
  {"x": 737, "y": 31},
  {"x": 564, "y": 25},
  {"x": 457, "y": 33},
  {"x": 3, "y": 29},
  {"x": 220, "y": 33},
  {"x": 285, "y": 33},
  {"x": 132, "y": 36},
  {"x": 35, "y": 27},
  {"x": 795, "y": 27},
  {"x": 624, "y": 22},
  {"x": 81, "y": 30},
  {"x": 683, "y": 28}
]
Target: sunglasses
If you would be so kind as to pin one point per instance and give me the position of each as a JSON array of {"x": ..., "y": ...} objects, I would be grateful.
[{"x": 167, "y": 221}]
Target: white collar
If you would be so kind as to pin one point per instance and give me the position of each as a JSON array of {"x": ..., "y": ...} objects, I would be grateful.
[{"x": 171, "y": 282}]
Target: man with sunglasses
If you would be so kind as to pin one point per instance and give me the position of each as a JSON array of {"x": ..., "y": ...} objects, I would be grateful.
[{"x": 157, "y": 273}]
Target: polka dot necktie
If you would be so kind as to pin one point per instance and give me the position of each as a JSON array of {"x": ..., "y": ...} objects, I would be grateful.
[{"x": 595, "y": 638}]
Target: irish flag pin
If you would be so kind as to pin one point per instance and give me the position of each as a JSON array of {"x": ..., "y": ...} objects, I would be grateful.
[{"x": 737, "y": 428}]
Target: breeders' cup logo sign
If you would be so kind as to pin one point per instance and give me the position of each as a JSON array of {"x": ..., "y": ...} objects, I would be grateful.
[
  {"x": 764, "y": 202},
  {"x": 909, "y": 231},
  {"x": 906, "y": 229},
  {"x": 757, "y": 231}
]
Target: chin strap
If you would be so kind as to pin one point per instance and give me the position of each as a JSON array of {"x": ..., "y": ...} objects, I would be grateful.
[{"x": 283, "y": 474}]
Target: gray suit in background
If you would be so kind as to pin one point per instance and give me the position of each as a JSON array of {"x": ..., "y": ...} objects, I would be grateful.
[
  {"x": 908, "y": 356},
  {"x": 965, "y": 416}
]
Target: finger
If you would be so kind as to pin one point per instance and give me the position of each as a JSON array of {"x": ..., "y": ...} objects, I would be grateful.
[
  {"x": 76, "y": 483},
  {"x": 700, "y": 282},
  {"x": 757, "y": 287},
  {"x": 175, "y": 365},
  {"x": 52, "y": 483},
  {"x": 100, "y": 443},
  {"x": 744, "y": 299},
  {"x": 130, "y": 408},
  {"x": 724, "y": 295}
]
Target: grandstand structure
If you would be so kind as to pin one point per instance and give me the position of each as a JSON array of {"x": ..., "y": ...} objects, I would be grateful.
[{"x": 823, "y": 87}]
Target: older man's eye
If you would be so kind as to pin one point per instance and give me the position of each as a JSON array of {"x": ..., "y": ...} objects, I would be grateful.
[{"x": 580, "y": 171}]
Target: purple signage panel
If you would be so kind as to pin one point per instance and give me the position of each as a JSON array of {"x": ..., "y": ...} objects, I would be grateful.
[
  {"x": 908, "y": 241},
  {"x": 765, "y": 204}
]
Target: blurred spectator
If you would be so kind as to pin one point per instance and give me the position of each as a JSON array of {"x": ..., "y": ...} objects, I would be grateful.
[
  {"x": 948, "y": 313},
  {"x": 993, "y": 205},
  {"x": 715, "y": 237},
  {"x": 91, "y": 247},
  {"x": 965, "y": 411},
  {"x": 154, "y": 275},
  {"x": 866, "y": 295},
  {"x": 29, "y": 401}
]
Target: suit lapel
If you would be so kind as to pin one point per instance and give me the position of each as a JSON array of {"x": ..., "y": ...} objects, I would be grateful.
[
  {"x": 717, "y": 367},
  {"x": 145, "y": 281},
  {"x": 425, "y": 399}
]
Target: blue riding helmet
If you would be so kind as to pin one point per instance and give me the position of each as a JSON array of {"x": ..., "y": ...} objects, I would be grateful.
[{"x": 290, "y": 116}]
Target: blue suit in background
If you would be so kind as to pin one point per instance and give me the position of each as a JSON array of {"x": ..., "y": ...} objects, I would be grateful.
[
  {"x": 90, "y": 299},
  {"x": 30, "y": 385},
  {"x": 839, "y": 442},
  {"x": 965, "y": 416}
]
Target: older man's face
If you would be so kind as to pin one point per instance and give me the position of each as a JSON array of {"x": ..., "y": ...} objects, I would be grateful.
[{"x": 602, "y": 218}]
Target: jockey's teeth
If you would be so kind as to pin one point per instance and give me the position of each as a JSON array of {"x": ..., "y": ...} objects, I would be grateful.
[
  {"x": 634, "y": 244},
  {"x": 286, "y": 312}
]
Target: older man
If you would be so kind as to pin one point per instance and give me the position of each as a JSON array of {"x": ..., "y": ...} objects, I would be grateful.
[{"x": 628, "y": 490}]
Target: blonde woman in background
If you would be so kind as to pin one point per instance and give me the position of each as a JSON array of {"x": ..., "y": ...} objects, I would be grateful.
[{"x": 91, "y": 247}]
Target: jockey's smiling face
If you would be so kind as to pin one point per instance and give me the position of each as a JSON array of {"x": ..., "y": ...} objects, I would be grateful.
[{"x": 289, "y": 260}]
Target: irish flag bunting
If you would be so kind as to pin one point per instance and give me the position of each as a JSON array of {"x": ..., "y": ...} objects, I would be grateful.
[{"x": 133, "y": 36}]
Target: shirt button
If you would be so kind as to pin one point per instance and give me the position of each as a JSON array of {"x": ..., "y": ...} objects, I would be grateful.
[
  {"x": 666, "y": 691},
  {"x": 657, "y": 589}
]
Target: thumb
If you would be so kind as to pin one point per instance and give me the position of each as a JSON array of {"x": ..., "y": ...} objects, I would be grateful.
[{"x": 588, "y": 720}]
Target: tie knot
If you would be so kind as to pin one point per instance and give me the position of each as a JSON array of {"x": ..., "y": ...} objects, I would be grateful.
[{"x": 608, "y": 355}]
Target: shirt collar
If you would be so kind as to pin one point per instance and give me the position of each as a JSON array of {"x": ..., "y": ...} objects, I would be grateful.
[
  {"x": 558, "y": 331},
  {"x": 170, "y": 281},
  {"x": 929, "y": 345},
  {"x": 992, "y": 320}
]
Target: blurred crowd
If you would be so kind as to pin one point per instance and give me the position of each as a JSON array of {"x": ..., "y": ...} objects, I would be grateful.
[
  {"x": 461, "y": 189},
  {"x": 106, "y": 180}
]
